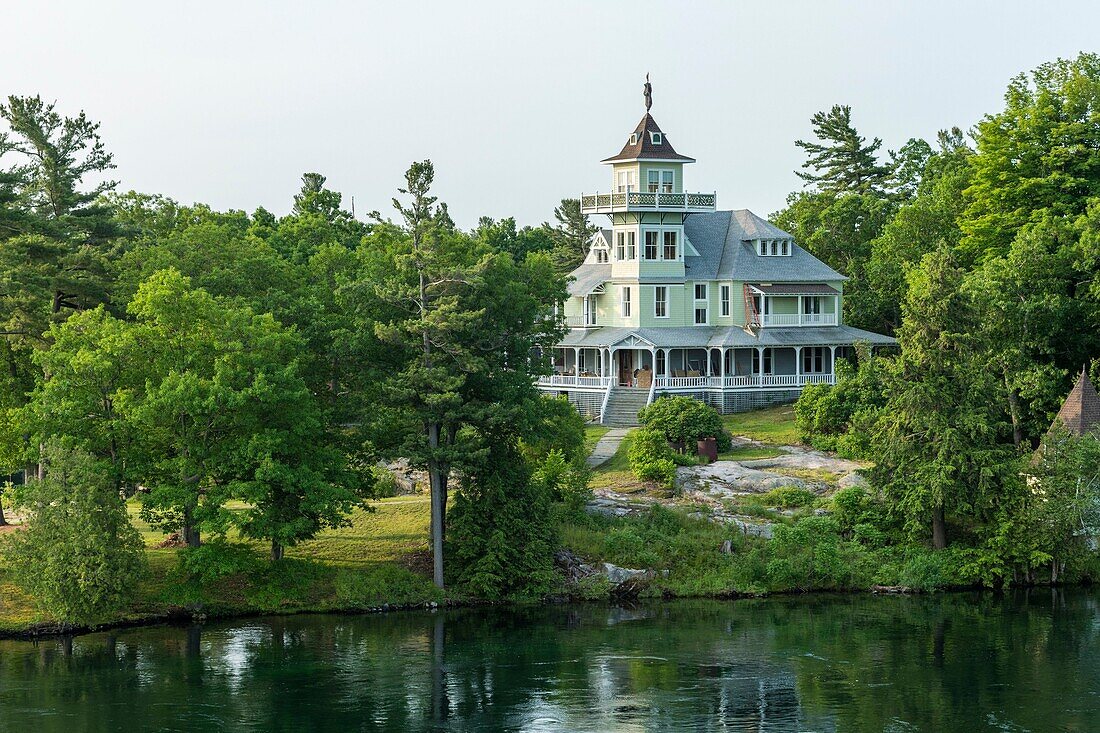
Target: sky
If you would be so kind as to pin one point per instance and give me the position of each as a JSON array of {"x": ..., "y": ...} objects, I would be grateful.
[{"x": 229, "y": 102}]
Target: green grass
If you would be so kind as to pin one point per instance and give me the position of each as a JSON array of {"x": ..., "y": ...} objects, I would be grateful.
[
  {"x": 749, "y": 453},
  {"x": 615, "y": 473},
  {"x": 377, "y": 559},
  {"x": 592, "y": 435},
  {"x": 772, "y": 425}
]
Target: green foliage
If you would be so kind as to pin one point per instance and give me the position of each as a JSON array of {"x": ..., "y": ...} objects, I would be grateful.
[
  {"x": 384, "y": 584},
  {"x": 570, "y": 236},
  {"x": 788, "y": 497},
  {"x": 556, "y": 426},
  {"x": 500, "y": 536},
  {"x": 78, "y": 556},
  {"x": 562, "y": 481},
  {"x": 836, "y": 417},
  {"x": 217, "y": 559},
  {"x": 811, "y": 554},
  {"x": 841, "y": 162},
  {"x": 651, "y": 458},
  {"x": 685, "y": 420}
]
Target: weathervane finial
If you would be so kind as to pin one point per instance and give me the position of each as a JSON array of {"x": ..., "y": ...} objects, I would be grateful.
[{"x": 647, "y": 91}]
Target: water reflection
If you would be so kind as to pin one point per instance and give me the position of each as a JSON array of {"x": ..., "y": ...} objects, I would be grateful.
[{"x": 847, "y": 663}]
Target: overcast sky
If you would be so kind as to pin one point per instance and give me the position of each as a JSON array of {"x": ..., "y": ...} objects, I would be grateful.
[{"x": 230, "y": 102}]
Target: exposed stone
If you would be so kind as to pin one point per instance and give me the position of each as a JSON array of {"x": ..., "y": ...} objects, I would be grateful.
[
  {"x": 617, "y": 575},
  {"x": 726, "y": 548},
  {"x": 571, "y": 566},
  {"x": 852, "y": 479},
  {"x": 727, "y": 479}
]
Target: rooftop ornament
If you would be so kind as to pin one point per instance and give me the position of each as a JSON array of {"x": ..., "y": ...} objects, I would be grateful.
[{"x": 647, "y": 92}]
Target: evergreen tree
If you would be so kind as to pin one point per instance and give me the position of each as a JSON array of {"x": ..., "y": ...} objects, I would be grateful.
[
  {"x": 840, "y": 162},
  {"x": 571, "y": 235},
  {"x": 938, "y": 444}
]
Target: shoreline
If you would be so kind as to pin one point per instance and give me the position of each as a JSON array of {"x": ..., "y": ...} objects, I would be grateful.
[{"x": 180, "y": 616}]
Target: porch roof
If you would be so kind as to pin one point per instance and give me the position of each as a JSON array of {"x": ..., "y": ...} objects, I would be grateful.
[
  {"x": 701, "y": 337},
  {"x": 587, "y": 278},
  {"x": 795, "y": 289}
]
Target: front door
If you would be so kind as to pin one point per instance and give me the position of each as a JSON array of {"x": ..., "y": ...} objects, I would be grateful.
[{"x": 626, "y": 368}]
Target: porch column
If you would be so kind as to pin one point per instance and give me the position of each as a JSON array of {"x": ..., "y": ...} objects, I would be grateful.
[
  {"x": 653, "y": 363},
  {"x": 722, "y": 363},
  {"x": 760, "y": 366},
  {"x": 576, "y": 361},
  {"x": 798, "y": 361},
  {"x": 832, "y": 363}
]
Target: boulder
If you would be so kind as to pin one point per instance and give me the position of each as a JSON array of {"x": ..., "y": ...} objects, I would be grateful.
[{"x": 852, "y": 479}]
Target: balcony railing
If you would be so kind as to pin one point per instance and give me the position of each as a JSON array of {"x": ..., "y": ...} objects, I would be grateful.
[
  {"x": 799, "y": 319},
  {"x": 613, "y": 203},
  {"x": 570, "y": 380},
  {"x": 742, "y": 382}
]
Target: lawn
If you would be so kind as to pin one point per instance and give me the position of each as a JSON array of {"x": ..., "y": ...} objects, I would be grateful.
[
  {"x": 772, "y": 425},
  {"x": 592, "y": 435},
  {"x": 358, "y": 566}
]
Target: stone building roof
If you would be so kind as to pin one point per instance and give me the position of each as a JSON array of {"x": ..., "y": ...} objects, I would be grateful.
[{"x": 1080, "y": 412}]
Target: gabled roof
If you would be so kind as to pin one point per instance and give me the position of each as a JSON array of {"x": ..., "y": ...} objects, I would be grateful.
[
  {"x": 644, "y": 148},
  {"x": 1080, "y": 412},
  {"x": 724, "y": 239},
  {"x": 587, "y": 278}
]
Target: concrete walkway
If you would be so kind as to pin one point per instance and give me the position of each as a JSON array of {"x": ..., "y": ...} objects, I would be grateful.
[{"x": 606, "y": 446}]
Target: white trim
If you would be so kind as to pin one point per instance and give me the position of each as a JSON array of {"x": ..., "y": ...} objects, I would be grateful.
[
  {"x": 668, "y": 308},
  {"x": 625, "y": 302}
]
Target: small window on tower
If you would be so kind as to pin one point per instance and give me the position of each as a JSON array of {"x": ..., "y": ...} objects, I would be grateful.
[
  {"x": 655, "y": 138},
  {"x": 634, "y": 138},
  {"x": 786, "y": 248}
]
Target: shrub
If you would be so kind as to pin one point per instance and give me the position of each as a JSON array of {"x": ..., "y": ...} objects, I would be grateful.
[
  {"x": 563, "y": 481},
  {"x": 651, "y": 458},
  {"x": 839, "y": 417},
  {"x": 216, "y": 559},
  {"x": 383, "y": 584},
  {"x": 685, "y": 420},
  {"x": 811, "y": 554},
  {"x": 558, "y": 426},
  {"x": 78, "y": 556},
  {"x": 788, "y": 497}
]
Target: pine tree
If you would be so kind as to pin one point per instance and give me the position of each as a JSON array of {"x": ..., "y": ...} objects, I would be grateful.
[
  {"x": 571, "y": 235},
  {"x": 841, "y": 162}
]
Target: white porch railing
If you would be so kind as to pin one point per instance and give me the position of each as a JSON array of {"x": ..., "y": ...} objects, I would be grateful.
[
  {"x": 569, "y": 380},
  {"x": 757, "y": 380},
  {"x": 799, "y": 319},
  {"x": 607, "y": 203}
]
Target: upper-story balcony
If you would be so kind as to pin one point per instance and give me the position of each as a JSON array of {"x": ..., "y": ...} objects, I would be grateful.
[{"x": 630, "y": 201}]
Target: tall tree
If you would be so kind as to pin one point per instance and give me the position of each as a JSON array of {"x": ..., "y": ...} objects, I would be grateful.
[
  {"x": 1039, "y": 156},
  {"x": 454, "y": 324},
  {"x": 571, "y": 235},
  {"x": 841, "y": 162},
  {"x": 939, "y": 442}
]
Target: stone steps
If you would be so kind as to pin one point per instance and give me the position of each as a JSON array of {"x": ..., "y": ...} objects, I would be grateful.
[{"x": 623, "y": 406}]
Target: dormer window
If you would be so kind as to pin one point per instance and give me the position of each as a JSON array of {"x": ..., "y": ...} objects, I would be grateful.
[
  {"x": 773, "y": 247},
  {"x": 633, "y": 138},
  {"x": 655, "y": 138},
  {"x": 602, "y": 255}
]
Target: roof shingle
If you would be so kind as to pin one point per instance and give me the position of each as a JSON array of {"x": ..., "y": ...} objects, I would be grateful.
[{"x": 643, "y": 147}]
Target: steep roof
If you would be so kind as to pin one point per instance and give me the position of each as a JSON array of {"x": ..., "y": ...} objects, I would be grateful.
[
  {"x": 644, "y": 148},
  {"x": 1081, "y": 410},
  {"x": 724, "y": 239}
]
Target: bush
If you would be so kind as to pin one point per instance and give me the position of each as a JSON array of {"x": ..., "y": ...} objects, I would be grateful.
[
  {"x": 651, "y": 458},
  {"x": 839, "y": 417},
  {"x": 78, "y": 556},
  {"x": 558, "y": 426},
  {"x": 563, "y": 481},
  {"x": 217, "y": 559},
  {"x": 685, "y": 420},
  {"x": 788, "y": 497},
  {"x": 383, "y": 584},
  {"x": 810, "y": 554}
]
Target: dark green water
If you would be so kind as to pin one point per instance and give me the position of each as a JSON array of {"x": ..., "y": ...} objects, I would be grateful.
[{"x": 1029, "y": 662}]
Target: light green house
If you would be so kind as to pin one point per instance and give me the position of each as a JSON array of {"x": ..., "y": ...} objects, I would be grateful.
[{"x": 679, "y": 297}]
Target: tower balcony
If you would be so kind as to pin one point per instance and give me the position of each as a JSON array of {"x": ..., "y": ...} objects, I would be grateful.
[{"x": 641, "y": 201}]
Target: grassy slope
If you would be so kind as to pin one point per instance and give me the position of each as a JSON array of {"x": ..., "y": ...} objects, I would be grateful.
[
  {"x": 361, "y": 565},
  {"x": 772, "y": 425}
]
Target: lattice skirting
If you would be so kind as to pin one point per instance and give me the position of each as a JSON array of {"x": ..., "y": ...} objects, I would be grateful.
[{"x": 587, "y": 403}]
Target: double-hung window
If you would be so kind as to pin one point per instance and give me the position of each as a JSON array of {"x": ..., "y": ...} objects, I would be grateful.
[
  {"x": 601, "y": 256},
  {"x": 624, "y": 303},
  {"x": 724, "y": 299},
  {"x": 813, "y": 359},
  {"x": 631, "y": 246},
  {"x": 660, "y": 181},
  {"x": 624, "y": 181},
  {"x": 701, "y": 315},
  {"x": 650, "y": 251},
  {"x": 660, "y": 301},
  {"x": 620, "y": 246},
  {"x": 590, "y": 310},
  {"x": 671, "y": 249}
]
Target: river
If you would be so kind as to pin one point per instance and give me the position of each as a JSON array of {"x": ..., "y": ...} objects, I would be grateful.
[{"x": 1028, "y": 661}]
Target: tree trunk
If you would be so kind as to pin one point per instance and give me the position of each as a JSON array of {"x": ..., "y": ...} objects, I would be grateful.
[
  {"x": 3, "y": 521},
  {"x": 1054, "y": 572},
  {"x": 190, "y": 530},
  {"x": 439, "y": 507},
  {"x": 939, "y": 528},
  {"x": 1014, "y": 413},
  {"x": 277, "y": 550}
]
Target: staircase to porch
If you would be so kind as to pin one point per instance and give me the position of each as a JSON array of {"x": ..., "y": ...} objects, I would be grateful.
[{"x": 623, "y": 405}]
